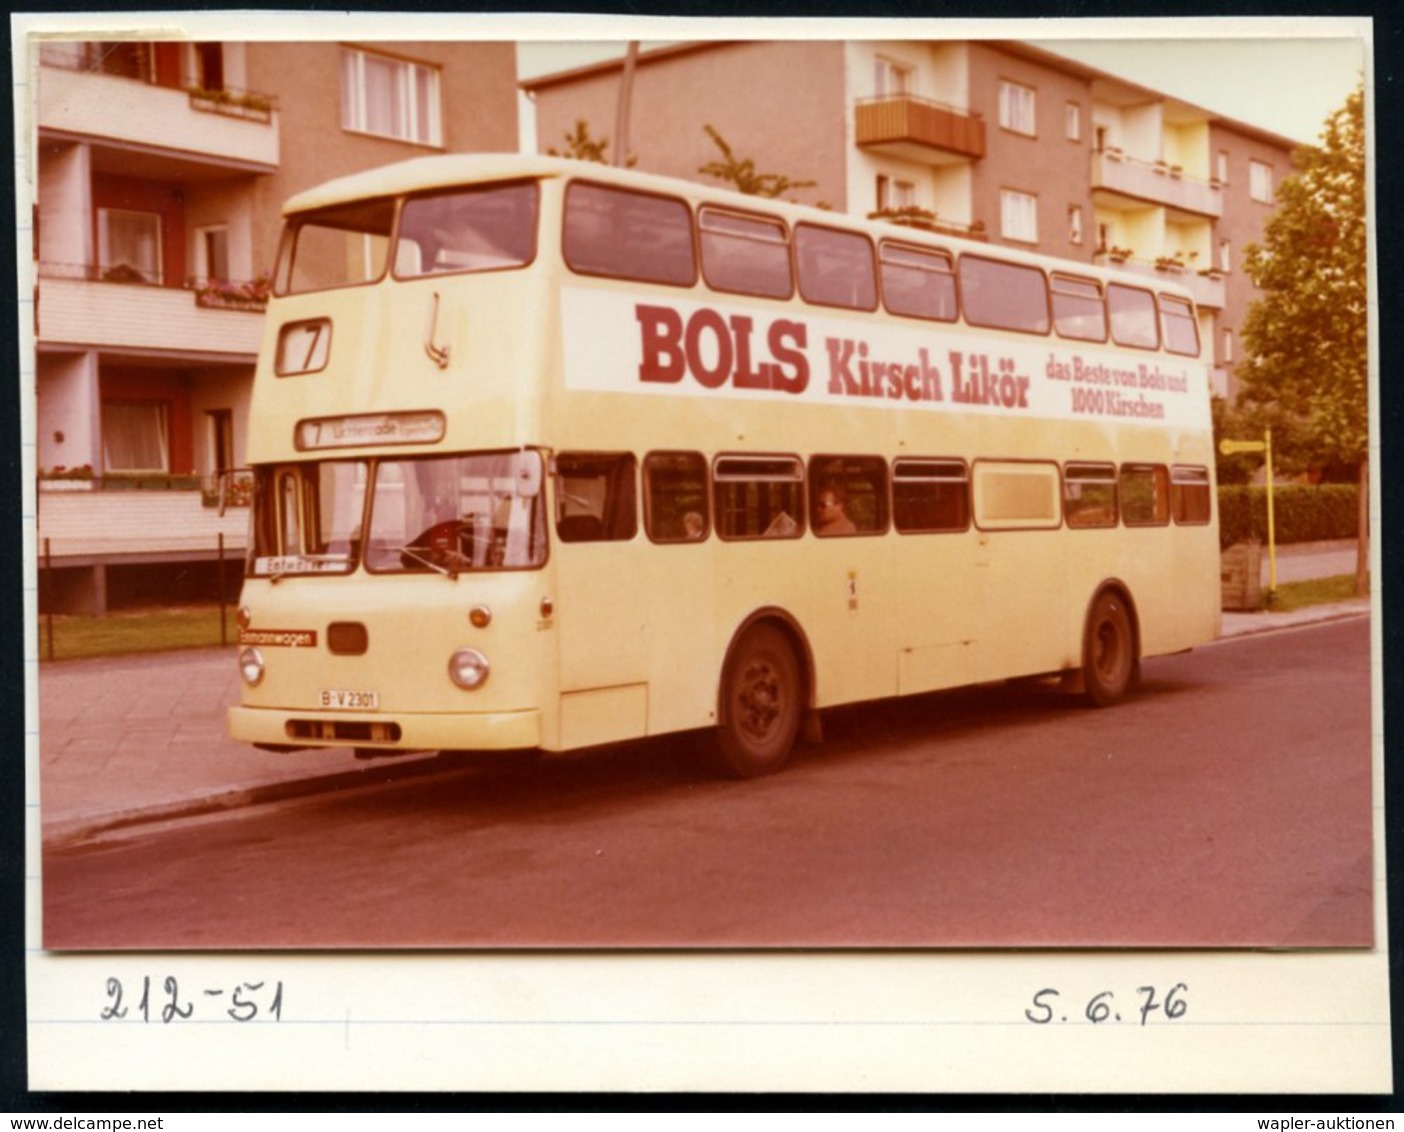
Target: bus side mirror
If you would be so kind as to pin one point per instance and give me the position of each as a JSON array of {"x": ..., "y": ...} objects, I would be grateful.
[{"x": 529, "y": 477}]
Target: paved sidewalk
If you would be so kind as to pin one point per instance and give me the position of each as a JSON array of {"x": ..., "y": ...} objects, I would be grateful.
[{"x": 142, "y": 738}]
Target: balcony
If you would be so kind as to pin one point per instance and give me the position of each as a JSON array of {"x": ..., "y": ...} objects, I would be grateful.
[
  {"x": 76, "y": 309},
  {"x": 80, "y": 523},
  {"x": 226, "y": 129},
  {"x": 1155, "y": 182},
  {"x": 917, "y": 129}
]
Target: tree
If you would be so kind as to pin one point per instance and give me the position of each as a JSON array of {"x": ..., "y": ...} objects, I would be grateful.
[
  {"x": 741, "y": 173},
  {"x": 1306, "y": 340},
  {"x": 582, "y": 147}
]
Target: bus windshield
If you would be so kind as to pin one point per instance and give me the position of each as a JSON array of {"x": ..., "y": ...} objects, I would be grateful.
[
  {"x": 440, "y": 514},
  {"x": 476, "y": 228}
]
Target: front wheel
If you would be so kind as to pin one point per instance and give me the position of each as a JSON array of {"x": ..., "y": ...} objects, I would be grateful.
[
  {"x": 761, "y": 704},
  {"x": 1109, "y": 661}
]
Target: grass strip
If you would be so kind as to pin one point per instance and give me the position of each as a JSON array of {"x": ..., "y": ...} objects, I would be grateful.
[{"x": 119, "y": 634}]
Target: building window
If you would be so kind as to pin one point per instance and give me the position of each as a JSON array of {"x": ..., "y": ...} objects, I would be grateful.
[
  {"x": 1260, "y": 181},
  {"x": 124, "y": 58},
  {"x": 1016, "y": 108},
  {"x": 207, "y": 68},
  {"x": 1018, "y": 216},
  {"x": 1074, "y": 122},
  {"x": 893, "y": 193},
  {"x": 1221, "y": 167},
  {"x": 129, "y": 246},
  {"x": 1225, "y": 255},
  {"x": 1228, "y": 347},
  {"x": 212, "y": 253},
  {"x": 1075, "y": 223},
  {"x": 221, "y": 425},
  {"x": 892, "y": 79},
  {"x": 390, "y": 97},
  {"x": 134, "y": 436}
]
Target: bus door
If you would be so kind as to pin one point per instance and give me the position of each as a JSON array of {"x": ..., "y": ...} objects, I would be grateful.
[
  {"x": 1020, "y": 568},
  {"x": 634, "y": 608},
  {"x": 934, "y": 579}
]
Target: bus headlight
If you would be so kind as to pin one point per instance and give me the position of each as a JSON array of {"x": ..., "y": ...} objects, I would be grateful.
[
  {"x": 468, "y": 668},
  {"x": 251, "y": 667}
]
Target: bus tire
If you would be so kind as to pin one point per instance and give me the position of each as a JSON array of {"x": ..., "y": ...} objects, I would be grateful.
[
  {"x": 761, "y": 704},
  {"x": 1109, "y": 661}
]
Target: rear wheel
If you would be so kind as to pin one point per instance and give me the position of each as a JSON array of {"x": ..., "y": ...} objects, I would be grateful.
[
  {"x": 761, "y": 704},
  {"x": 1109, "y": 661}
]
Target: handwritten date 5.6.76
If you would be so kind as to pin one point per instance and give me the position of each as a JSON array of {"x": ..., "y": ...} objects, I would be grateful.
[
  {"x": 1050, "y": 1005},
  {"x": 150, "y": 1001}
]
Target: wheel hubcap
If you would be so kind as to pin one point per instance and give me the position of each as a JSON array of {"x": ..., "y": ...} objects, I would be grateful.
[{"x": 760, "y": 700}]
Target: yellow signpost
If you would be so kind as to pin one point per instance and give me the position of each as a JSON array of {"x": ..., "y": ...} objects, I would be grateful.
[{"x": 1232, "y": 447}]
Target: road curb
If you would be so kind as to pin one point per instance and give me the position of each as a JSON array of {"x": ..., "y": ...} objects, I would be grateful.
[
  {"x": 64, "y": 834},
  {"x": 1279, "y": 622}
]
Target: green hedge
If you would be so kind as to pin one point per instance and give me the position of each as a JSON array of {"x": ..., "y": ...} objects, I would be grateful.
[{"x": 1300, "y": 513}]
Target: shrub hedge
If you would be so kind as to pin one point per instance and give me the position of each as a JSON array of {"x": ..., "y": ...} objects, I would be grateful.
[{"x": 1300, "y": 513}]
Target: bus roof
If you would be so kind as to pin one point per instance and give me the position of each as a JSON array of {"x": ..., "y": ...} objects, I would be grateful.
[{"x": 443, "y": 171}]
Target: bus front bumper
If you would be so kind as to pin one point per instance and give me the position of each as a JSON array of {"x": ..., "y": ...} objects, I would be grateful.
[{"x": 486, "y": 731}]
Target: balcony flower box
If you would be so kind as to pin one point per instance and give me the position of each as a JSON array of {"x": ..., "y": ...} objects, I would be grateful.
[
  {"x": 232, "y": 103},
  {"x": 60, "y": 478},
  {"x": 222, "y": 294},
  {"x": 910, "y": 215}
]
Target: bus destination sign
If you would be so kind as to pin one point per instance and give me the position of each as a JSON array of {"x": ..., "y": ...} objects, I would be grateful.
[{"x": 369, "y": 428}]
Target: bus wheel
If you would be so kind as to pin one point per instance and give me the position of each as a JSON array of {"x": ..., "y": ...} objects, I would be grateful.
[
  {"x": 1109, "y": 662},
  {"x": 761, "y": 704}
]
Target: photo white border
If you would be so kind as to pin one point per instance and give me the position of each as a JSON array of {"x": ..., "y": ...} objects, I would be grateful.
[{"x": 912, "y": 1022}]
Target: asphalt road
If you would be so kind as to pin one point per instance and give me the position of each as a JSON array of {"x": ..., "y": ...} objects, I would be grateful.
[{"x": 1227, "y": 803}]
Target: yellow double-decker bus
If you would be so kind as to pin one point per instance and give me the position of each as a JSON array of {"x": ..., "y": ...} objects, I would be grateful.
[{"x": 549, "y": 455}]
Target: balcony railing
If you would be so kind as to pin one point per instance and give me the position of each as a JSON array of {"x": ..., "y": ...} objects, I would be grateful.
[
  {"x": 85, "y": 305},
  {"x": 152, "y": 525},
  {"x": 1156, "y": 182},
  {"x": 903, "y": 121}
]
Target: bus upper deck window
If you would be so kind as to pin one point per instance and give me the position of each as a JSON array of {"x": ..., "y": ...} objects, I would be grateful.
[
  {"x": 749, "y": 255},
  {"x": 1181, "y": 329},
  {"x": 918, "y": 283},
  {"x": 1133, "y": 316},
  {"x": 1078, "y": 310},
  {"x": 335, "y": 247},
  {"x": 628, "y": 235},
  {"x": 479, "y": 228},
  {"x": 1003, "y": 296},
  {"x": 835, "y": 268}
]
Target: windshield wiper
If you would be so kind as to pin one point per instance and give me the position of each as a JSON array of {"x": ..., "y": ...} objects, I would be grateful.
[{"x": 413, "y": 552}]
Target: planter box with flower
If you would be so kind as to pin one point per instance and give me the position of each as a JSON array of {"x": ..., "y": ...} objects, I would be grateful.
[
  {"x": 909, "y": 215},
  {"x": 238, "y": 491},
  {"x": 233, "y": 103},
  {"x": 224, "y": 294},
  {"x": 60, "y": 478}
]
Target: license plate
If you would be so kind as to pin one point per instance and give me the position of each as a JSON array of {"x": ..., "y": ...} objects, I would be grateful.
[{"x": 345, "y": 699}]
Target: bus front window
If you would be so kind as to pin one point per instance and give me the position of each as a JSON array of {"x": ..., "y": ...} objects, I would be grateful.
[
  {"x": 450, "y": 514},
  {"x": 334, "y": 247},
  {"x": 307, "y": 518},
  {"x": 484, "y": 228}
]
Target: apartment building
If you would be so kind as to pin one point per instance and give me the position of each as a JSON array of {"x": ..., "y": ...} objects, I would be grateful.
[
  {"x": 1001, "y": 141},
  {"x": 160, "y": 171}
]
